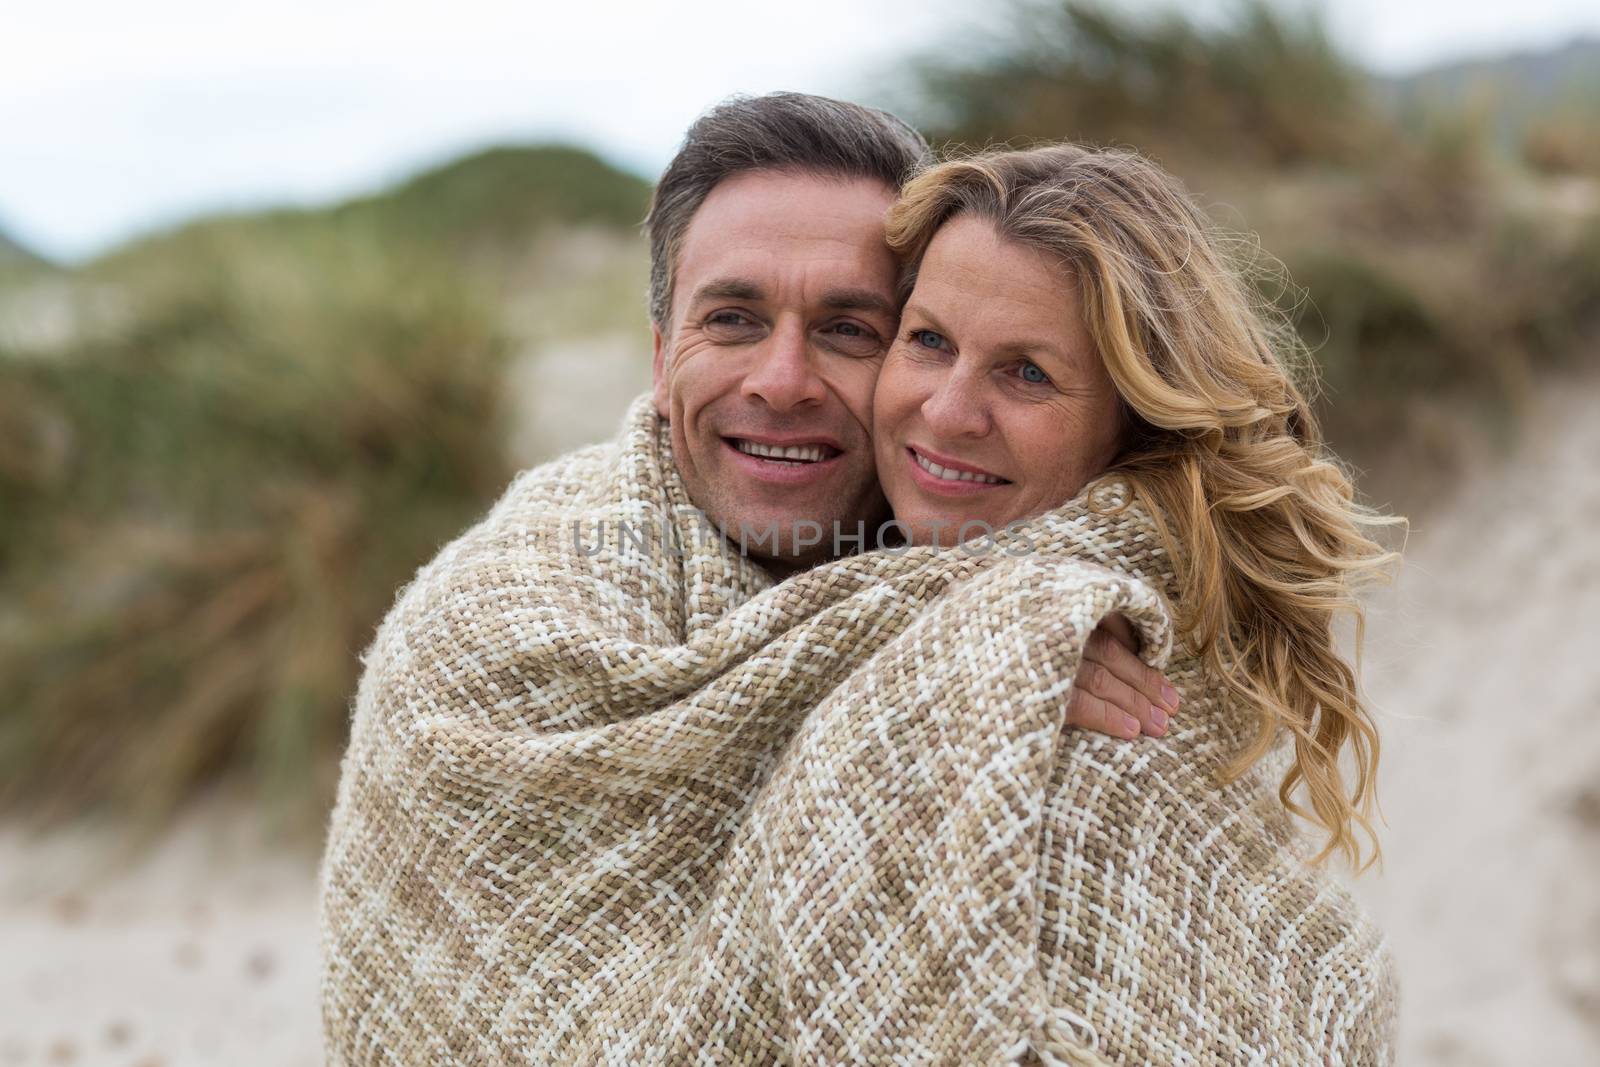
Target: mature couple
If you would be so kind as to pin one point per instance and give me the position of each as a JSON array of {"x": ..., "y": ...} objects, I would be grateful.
[{"x": 660, "y": 800}]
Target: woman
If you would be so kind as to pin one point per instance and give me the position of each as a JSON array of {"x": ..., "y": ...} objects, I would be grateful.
[
  {"x": 1072, "y": 324},
  {"x": 1070, "y": 319}
]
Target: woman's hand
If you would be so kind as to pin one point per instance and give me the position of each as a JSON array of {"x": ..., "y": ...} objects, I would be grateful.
[{"x": 1115, "y": 693}]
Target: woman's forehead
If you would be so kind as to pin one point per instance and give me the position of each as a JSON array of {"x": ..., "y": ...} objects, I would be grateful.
[{"x": 997, "y": 292}]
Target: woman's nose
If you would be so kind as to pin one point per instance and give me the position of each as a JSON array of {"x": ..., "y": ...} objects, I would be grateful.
[
  {"x": 784, "y": 376},
  {"x": 956, "y": 408}
]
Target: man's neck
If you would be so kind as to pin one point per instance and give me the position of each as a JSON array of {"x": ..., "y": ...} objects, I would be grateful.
[{"x": 782, "y": 567}]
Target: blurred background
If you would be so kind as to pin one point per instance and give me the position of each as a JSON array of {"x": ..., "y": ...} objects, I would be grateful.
[{"x": 288, "y": 294}]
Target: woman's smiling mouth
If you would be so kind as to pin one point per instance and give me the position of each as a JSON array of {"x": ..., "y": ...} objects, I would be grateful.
[{"x": 948, "y": 476}]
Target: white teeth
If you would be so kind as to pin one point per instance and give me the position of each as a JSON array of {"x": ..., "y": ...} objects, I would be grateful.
[
  {"x": 953, "y": 476},
  {"x": 801, "y": 453}
]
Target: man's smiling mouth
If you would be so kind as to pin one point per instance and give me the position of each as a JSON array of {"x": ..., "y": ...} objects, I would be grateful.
[{"x": 793, "y": 454}]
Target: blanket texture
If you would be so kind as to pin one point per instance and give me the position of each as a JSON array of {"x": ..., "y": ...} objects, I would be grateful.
[{"x": 613, "y": 796}]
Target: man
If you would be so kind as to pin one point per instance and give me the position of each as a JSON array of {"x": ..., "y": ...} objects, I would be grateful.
[
  {"x": 773, "y": 300},
  {"x": 562, "y": 762}
]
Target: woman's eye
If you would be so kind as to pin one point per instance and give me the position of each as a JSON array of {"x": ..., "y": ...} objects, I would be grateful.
[
  {"x": 927, "y": 338},
  {"x": 1031, "y": 374}
]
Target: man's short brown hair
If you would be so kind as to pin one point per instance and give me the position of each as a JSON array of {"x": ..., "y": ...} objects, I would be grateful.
[{"x": 779, "y": 131}]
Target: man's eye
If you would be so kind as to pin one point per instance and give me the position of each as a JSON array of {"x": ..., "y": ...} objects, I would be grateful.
[
  {"x": 727, "y": 318},
  {"x": 1031, "y": 374},
  {"x": 852, "y": 339}
]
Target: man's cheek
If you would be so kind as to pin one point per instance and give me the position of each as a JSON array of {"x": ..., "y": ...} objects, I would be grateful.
[
  {"x": 706, "y": 382},
  {"x": 685, "y": 381},
  {"x": 854, "y": 383},
  {"x": 693, "y": 361}
]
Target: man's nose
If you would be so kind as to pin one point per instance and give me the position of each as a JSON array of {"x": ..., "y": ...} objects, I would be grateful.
[
  {"x": 957, "y": 406},
  {"x": 784, "y": 376}
]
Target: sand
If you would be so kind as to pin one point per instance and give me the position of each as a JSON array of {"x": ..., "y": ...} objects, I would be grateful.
[
  {"x": 203, "y": 953},
  {"x": 1483, "y": 663}
]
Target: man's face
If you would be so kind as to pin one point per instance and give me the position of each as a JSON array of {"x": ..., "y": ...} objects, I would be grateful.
[{"x": 782, "y": 309}]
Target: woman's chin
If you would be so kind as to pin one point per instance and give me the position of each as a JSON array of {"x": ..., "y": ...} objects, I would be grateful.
[
  {"x": 947, "y": 528},
  {"x": 924, "y": 525}
]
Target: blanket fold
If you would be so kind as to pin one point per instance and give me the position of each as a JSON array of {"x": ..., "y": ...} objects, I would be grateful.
[{"x": 614, "y": 796}]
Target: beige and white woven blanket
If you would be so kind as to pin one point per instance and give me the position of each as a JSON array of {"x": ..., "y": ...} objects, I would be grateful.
[{"x": 610, "y": 800}]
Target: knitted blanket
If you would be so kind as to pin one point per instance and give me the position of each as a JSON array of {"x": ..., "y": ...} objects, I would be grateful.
[{"x": 612, "y": 796}]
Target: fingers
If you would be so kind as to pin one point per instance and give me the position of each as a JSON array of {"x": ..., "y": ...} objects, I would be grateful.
[
  {"x": 1132, "y": 671},
  {"x": 1132, "y": 711},
  {"x": 1091, "y": 712},
  {"x": 1115, "y": 692}
]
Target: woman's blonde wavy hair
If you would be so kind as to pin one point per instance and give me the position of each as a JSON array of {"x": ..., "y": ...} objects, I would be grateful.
[{"x": 1222, "y": 447}]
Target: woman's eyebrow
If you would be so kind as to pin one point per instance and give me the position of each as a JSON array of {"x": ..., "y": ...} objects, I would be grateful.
[
  {"x": 927, "y": 316},
  {"x": 1019, "y": 347},
  {"x": 1027, "y": 347}
]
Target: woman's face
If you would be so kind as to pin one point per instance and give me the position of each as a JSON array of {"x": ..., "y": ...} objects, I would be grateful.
[{"x": 992, "y": 405}]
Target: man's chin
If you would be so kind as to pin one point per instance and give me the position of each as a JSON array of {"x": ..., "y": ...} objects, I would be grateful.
[
  {"x": 798, "y": 524},
  {"x": 792, "y": 536}
]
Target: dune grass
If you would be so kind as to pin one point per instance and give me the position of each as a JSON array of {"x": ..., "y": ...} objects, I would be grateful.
[
  {"x": 206, "y": 512},
  {"x": 210, "y": 494}
]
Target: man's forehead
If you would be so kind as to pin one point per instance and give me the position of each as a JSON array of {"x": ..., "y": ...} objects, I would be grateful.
[
  {"x": 785, "y": 232},
  {"x": 765, "y": 209},
  {"x": 771, "y": 231},
  {"x": 806, "y": 192}
]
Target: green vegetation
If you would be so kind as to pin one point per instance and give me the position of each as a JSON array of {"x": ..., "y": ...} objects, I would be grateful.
[
  {"x": 1539, "y": 107},
  {"x": 1266, "y": 88},
  {"x": 503, "y": 195},
  {"x": 19, "y": 263},
  {"x": 1432, "y": 261},
  {"x": 208, "y": 502}
]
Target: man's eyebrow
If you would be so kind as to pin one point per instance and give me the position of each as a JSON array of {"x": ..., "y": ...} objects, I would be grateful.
[
  {"x": 727, "y": 289},
  {"x": 833, "y": 299},
  {"x": 859, "y": 300}
]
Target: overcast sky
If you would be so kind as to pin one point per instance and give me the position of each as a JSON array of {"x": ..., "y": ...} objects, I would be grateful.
[{"x": 118, "y": 117}]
